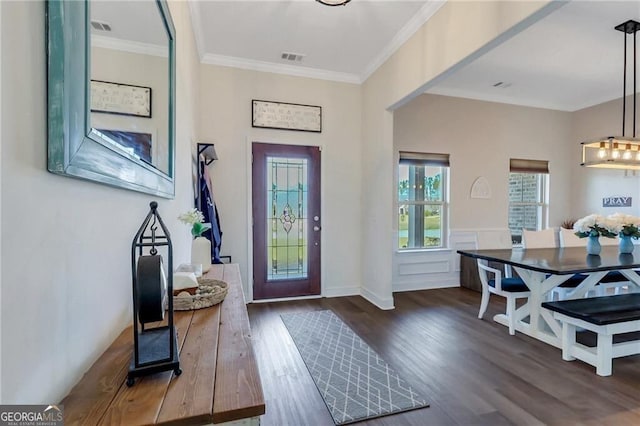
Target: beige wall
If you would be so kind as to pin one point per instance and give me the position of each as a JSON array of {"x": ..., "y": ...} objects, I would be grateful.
[
  {"x": 590, "y": 185},
  {"x": 481, "y": 137},
  {"x": 225, "y": 119},
  {"x": 433, "y": 50},
  {"x": 66, "y": 283}
]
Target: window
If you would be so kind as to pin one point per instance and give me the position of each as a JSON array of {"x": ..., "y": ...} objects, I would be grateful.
[
  {"x": 528, "y": 196},
  {"x": 422, "y": 200}
]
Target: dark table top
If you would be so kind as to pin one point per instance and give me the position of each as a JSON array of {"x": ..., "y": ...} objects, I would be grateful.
[{"x": 560, "y": 261}]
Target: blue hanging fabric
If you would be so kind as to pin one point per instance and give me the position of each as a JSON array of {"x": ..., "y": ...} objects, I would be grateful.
[{"x": 208, "y": 208}]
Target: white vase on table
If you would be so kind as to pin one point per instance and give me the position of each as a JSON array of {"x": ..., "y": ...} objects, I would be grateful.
[{"x": 201, "y": 253}]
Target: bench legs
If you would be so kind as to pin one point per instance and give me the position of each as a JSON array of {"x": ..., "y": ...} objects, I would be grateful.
[
  {"x": 568, "y": 340},
  {"x": 604, "y": 354}
]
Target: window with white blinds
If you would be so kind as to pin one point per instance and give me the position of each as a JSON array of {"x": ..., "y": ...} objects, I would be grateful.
[{"x": 422, "y": 200}]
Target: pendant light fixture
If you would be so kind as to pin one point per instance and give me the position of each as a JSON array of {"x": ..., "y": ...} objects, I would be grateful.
[
  {"x": 334, "y": 2},
  {"x": 618, "y": 152}
]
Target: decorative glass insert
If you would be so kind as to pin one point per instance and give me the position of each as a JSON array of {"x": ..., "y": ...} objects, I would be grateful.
[{"x": 287, "y": 222}]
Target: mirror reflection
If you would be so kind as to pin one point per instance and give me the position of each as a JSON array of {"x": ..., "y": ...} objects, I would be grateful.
[{"x": 129, "y": 86}]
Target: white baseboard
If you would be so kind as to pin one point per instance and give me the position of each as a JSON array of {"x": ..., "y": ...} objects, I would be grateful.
[
  {"x": 341, "y": 291},
  {"x": 382, "y": 303},
  {"x": 426, "y": 285},
  {"x": 285, "y": 299}
]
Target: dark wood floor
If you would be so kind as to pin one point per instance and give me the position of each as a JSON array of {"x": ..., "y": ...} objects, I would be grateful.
[{"x": 471, "y": 371}]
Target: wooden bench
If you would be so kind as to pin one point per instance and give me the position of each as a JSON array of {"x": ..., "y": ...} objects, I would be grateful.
[
  {"x": 605, "y": 316},
  {"x": 219, "y": 382}
]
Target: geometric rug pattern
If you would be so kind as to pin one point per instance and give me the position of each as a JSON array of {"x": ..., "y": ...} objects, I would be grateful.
[{"x": 355, "y": 383}]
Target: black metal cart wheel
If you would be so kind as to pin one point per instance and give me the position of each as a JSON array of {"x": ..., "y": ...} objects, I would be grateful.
[
  {"x": 130, "y": 381},
  {"x": 177, "y": 371}
]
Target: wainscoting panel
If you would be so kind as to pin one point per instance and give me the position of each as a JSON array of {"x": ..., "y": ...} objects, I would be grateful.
[
  {"x": 427, "y": 266},
  {"x": 422, "y": 270}
]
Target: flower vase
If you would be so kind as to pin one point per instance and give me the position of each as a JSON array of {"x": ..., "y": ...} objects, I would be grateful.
[
  {"x": 201, "y": 253},
  {"x": 593, "y": 245},
  {"x": 626, "y": 245}
]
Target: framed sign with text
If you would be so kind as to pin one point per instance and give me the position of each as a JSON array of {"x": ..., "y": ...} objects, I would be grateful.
[
  {"x": 616, "y": 201},
  {"x": 123, "y": 99},
  {"x": 285, "y": 116}
]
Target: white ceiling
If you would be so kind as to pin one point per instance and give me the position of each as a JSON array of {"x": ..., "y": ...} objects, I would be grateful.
[
  {"x": 569, "y": 60},
  {"x": 132, "y": 21},
  {"x": 344, "y": 43}
]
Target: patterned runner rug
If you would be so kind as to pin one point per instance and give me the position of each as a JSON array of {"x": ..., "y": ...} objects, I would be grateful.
[{"x": 355, "y": 383}]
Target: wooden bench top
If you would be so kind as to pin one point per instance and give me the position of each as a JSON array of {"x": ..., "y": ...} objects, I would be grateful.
[
  {"x": 219, "y": 382},
  {"x": 600, "y": 310}
]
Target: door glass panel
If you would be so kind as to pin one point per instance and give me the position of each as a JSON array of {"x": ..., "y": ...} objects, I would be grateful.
[{"x": 287, "y": 222}]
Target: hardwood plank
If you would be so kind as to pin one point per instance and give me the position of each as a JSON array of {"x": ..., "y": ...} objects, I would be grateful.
[
  {"x": 471, "y": 371},
  {"x": 140, "y": 404},
  {"x": 238, "y": 389},
  {"x": 89, "y": 399},
  {"x": 189, "y": 396},
  {"x": 215, "y": 272}
]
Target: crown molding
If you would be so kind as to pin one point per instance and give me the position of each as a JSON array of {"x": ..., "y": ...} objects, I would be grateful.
[
  {"x": 501, "y": 99},
  {"x": 296, "y": 71},
  {"x": 129, "y": 46},
  {"x": 194, "y": 11},
  {"x": 410, "y": 28},
  {"x": 423, "y": 15}
]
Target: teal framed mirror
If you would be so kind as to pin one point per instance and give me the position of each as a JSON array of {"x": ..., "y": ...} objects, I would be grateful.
[{"x": 111, "y": 93}]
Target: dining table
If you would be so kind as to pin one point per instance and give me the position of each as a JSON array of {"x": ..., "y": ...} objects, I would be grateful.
[{"x": 543, "y": 269}]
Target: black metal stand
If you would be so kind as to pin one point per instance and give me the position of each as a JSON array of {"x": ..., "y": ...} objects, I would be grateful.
[{"x": 155, "y": 349}]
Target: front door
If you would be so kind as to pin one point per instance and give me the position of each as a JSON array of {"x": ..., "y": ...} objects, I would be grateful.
[{"x": 286, "y": 220}]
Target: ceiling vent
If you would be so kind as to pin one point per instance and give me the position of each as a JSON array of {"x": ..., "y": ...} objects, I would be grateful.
[
  {"x": 502, "y": 85},
  {"x": 100, "y": 26},
  {"x": 293, "y": 57}
]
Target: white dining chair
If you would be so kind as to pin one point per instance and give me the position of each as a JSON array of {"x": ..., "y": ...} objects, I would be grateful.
[
  {"x": 547, "y": 238},
  {"x": 613, "y": 280},
  {"x": 539, "y": 239},
  {"x": 604, "y": 241},
  {"x": 568, "y": 238},
  {"x": 501, "y": 283}
]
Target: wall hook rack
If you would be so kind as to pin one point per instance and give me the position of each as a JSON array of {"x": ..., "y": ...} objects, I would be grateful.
[{"x": 208, "y": 152}]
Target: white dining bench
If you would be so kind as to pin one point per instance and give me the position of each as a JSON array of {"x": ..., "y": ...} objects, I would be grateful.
[{"x": 606, "y": 316}]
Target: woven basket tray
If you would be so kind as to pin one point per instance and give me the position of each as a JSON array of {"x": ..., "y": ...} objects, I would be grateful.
[{"x": 210, "y": 292}]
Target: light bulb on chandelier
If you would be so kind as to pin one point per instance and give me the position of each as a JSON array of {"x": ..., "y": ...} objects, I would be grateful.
[
  {"x": 602, "y": 152},
  {"x": 616, "y": 152}
]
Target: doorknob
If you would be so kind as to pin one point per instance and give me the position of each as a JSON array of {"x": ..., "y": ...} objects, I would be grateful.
[{"x": 316, "y": 228}]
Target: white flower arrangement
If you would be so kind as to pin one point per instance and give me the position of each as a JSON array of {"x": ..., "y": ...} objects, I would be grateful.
[
  {"x": 611, "y": 226},
  {"x": 626, "y": 224},
  {"x": 195, "y": 218}
]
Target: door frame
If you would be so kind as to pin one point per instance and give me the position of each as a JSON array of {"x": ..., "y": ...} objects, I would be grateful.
[{"x": 248, "y": 145}]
